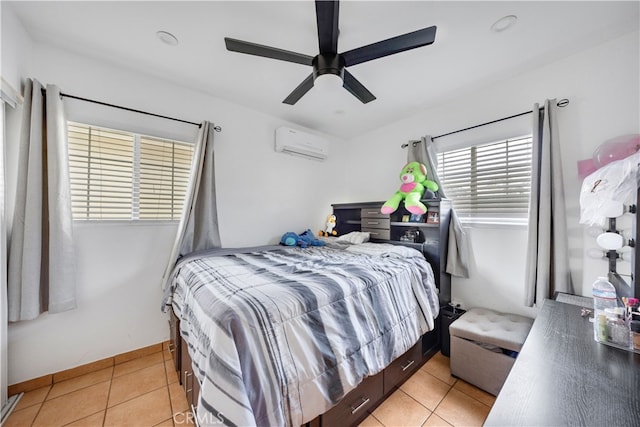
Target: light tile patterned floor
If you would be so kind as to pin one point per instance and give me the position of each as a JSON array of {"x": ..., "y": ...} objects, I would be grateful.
[{"x": 145, "y": 392}]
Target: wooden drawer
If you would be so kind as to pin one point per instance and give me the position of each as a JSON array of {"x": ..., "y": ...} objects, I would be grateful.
[
  {"x": 186, "y": 371},
  {"x": 375, "y": 223},
  {"x": 377, "y": 233},
  {"x": 372, "y": 213},
  {"x": 195, "y": 396},
  {"x": 402, "y": 367},
  {"x": 174, "y": 339},
  {"x": 188, "y": 378},
  {"x": 356, "y": 405}
]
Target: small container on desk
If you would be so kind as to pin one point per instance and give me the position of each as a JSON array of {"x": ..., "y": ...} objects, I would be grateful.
[{"x": 616, "y": 327}]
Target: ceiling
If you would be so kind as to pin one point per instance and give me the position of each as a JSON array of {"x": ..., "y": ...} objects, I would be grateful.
[{"x": 466, "y": 55}]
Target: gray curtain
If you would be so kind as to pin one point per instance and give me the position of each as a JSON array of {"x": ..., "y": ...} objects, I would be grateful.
[
  {"x": 198, "y": 227},
  {"x": 41, "y": 270},
  {"x": 547, "y": 268},
  {"x": 458, "y": 249},
  {"x": 4, "y": 318}
]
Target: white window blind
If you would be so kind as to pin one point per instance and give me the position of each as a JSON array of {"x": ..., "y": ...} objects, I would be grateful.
[
  {"x": 164, "y": 175},
  {"x": 117, "y": 175},
  {"x": 489, "y": 181}
]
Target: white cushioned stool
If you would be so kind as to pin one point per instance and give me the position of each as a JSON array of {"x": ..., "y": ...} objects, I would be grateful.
[{"x": 479, "y": 340}]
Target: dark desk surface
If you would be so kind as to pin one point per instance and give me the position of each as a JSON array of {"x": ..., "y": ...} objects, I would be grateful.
[{"x": 564, "y": 377}]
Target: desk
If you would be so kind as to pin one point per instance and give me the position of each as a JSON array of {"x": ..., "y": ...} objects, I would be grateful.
[{"x": 563, "y": 377}]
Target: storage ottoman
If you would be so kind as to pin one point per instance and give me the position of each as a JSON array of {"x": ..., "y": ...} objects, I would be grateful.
[{"x": 484, "y": 344}]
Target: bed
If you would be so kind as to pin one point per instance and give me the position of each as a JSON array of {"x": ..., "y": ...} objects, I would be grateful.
[{"x": 279, "y": 335}]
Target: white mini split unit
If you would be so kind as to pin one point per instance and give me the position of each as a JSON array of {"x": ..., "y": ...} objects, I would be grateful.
[{"x": 301, "y": 144}]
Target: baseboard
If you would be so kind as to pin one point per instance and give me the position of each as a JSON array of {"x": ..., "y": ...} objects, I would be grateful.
[
  {"x": 57, "y": 377},
  {"x": 9, "y": 406}
]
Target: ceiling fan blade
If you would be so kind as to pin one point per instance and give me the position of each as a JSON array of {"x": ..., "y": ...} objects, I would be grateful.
[
  {"x": 267, "y": 51},
  {"x": 298, "y": 92},
  {"x": 356, "y": 88},
  {"x": 327, "y": 18},
  {"x": 397, "y": 44}
]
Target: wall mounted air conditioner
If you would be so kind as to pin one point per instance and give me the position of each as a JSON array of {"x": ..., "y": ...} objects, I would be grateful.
[{"x": 302, "y": 144}]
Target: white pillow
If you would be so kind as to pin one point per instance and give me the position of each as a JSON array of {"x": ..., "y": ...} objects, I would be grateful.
[{"x": 355, "y": 237}]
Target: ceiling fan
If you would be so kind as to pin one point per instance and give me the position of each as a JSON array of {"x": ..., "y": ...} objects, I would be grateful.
[{"x": 329, "y": 61}]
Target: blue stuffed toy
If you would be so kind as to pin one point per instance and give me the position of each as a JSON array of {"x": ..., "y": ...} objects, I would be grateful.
[
  {"x": 309, "y": 239},
  {"x": 303, "y": 240},
  {"x": 289, "y": 239}
]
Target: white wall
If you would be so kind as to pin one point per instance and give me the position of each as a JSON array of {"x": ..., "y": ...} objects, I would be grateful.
[
  {"x": 602, "y": 85},
  {"x": 16, "y": 47},
  {"x": 260, "y": 193}
]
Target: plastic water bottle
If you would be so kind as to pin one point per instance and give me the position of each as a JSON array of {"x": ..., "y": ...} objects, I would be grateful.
[{"x": 604, "y": 297}]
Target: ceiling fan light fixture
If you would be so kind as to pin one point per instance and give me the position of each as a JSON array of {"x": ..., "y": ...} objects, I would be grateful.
[
  {"x": 167, "y": 38},
  {"x": 504, "y": 23},
  {"x": 328, "y": 82}
]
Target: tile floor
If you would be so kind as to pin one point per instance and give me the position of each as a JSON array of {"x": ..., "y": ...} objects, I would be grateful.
[{"x": 145, "y": 392}]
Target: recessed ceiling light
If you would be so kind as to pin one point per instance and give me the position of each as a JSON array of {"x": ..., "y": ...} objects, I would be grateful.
[
  {"x": 167, "y": 38},
  {"x": 504, "y": 23}
]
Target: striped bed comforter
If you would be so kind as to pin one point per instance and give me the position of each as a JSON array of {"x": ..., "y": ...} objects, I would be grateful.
[{"x": 279, "y": 335}]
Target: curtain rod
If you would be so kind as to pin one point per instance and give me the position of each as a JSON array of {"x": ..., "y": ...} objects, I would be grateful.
[
  {"x": 562, "y": 103},
  {"x": 216, "y": 128}
]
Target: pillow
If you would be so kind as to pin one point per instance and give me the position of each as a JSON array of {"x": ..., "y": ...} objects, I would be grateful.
[
  {"x": 386, "y": 250},
  {"x": 355, "y": 237}
]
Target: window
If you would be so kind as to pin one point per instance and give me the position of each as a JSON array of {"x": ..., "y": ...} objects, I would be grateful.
[
  {"x": 117, "y": 175},
  {"x": 490, "y": 181}
]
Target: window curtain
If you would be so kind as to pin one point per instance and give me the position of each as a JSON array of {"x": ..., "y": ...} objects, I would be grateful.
[
  {"x": 458, "y": 248},
  {"x": 41, "y": 266},
  {"x": 547, "y": 268},
  {"x": 3, "y": 263},
  {"x": 198, "y": 227}
]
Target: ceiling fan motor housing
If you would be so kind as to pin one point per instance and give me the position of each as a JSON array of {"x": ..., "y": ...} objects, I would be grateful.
[{"x": 328, "y": 63}]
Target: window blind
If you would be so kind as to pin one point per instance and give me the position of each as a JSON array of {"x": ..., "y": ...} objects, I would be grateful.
[
  {"x": 490, "y": 180},
  {"x": 164, "y": 175},
  {"x": 117, "y": 175}
]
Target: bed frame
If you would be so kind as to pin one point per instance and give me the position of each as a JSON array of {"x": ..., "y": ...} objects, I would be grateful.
[
  {"x": 354, "y": 407},
  {"x": 361, "y": 401}
]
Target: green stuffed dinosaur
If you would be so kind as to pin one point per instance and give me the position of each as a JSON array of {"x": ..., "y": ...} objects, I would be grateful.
[{"x": 414, "y": 180}]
